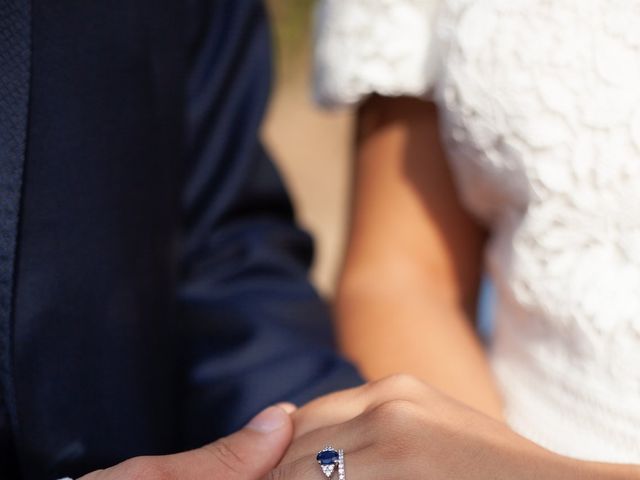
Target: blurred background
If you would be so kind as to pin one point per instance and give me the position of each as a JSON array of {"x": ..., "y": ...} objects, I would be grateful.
[{"x": 311, "y": 147}]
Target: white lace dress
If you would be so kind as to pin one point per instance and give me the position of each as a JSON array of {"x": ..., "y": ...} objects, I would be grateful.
[{"x": 540, "y": 105}]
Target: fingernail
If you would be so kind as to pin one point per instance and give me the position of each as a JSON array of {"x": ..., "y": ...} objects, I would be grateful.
[
  {"x": 269, "y": 420},
  {"x": 287, "y": 407}
]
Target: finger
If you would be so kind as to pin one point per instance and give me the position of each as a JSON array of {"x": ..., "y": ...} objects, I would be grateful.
[
  {"x": 379, "y": 443},
  {"x": 342, "y": 406},
  {"x": 358, "y": 464},
  {"x": 288, "y": 407},
  {"x": 97, "y": 475},
  {"x": 328, "y": 410},
  {"x": 351, "y": 435}
]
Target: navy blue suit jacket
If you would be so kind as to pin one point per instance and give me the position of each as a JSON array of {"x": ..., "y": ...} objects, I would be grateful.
[{"x": 153, "y": 291}]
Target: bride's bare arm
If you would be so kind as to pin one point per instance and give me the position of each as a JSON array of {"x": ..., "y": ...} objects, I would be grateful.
[{"x": 408, "y": 291}]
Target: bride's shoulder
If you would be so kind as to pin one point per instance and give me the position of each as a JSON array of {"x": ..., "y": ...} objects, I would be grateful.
[{"x": 373, "y": 46}]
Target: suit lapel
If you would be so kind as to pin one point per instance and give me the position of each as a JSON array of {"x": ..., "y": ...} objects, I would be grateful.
[{"x": 15, "y": 67}]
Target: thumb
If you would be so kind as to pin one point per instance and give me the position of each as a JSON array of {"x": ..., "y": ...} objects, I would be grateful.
[{"x": 248, "y": 454}]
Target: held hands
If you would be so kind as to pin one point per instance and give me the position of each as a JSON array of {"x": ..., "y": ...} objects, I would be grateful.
[{"x": 399, "y": 428}]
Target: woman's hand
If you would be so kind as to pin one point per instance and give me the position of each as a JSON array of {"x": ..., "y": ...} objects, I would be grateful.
[{"x": 399, "y": 428}]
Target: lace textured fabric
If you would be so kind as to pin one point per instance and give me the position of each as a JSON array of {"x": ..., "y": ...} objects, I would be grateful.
[{"x": 540, "y": 116}]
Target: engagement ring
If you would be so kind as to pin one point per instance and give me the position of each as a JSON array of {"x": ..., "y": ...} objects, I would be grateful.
[{"x": 329, "y": 458}]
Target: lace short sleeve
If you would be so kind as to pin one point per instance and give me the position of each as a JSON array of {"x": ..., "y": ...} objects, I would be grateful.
[{"x": 373, "y": 46}]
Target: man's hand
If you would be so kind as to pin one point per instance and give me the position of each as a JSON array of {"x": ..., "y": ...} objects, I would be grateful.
[{"x": 248, "y": 454}]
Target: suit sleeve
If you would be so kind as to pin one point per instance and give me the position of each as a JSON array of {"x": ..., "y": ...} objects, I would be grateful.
[{"x": 257, "y": 332}]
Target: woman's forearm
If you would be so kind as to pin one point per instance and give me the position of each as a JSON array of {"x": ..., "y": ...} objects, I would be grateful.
[
  {"x": 594, "y": 471},
  {"x": 389, "y": 325},
  {"x": 551, "y": 466},
  {"x": 414, "y": 260}
]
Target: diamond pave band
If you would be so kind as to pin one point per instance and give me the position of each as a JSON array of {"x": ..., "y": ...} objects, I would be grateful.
[{"x": 341, "y": 465}]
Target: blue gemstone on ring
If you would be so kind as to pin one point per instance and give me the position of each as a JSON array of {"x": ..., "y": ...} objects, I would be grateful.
[{"x": 327, "y": 457}]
